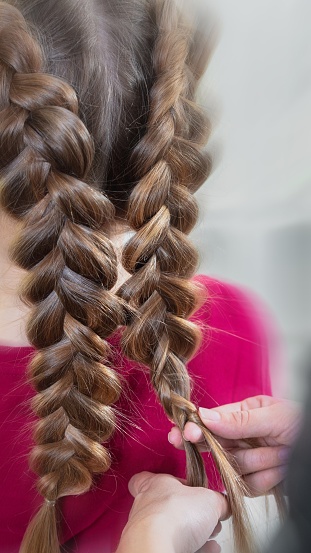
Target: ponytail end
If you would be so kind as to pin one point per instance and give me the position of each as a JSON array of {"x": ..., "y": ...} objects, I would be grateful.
[{"x": 41, "y": 535}]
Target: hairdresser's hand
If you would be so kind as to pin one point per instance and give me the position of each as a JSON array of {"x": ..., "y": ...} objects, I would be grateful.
[
  {"x": 275, "y": 422},
  {"x": 170, "y": 517}
]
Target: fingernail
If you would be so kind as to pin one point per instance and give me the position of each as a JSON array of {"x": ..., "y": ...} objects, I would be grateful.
[
  {"x": 284, "y": 454},
  {"x": 209, "y": 414},
  {"x": 169, "y": 437},
  {"x": 186, "y": 439}
]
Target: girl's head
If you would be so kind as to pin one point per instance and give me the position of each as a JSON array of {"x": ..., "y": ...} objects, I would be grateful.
[{"x": 98, "y": 121}]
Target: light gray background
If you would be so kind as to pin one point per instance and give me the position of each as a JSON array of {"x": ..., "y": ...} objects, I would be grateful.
[{"x": 255, "y": 221}]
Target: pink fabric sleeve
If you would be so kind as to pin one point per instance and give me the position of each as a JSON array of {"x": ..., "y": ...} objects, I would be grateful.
[
  {"x": 234, "y": 356},
  {"x": 231, "y": 364}
]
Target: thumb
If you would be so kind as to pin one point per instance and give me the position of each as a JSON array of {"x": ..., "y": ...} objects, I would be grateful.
[
  {"x": 240, "y": 424},
  {"x": 139, "y": 482}
]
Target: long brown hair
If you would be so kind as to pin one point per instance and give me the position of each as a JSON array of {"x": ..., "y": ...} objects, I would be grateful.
[{"x": 98, "y": 120}]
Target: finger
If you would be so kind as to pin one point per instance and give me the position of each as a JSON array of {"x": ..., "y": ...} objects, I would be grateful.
[
  {"x": 142, "y": 481},
  {"x": 221, "y": 506},
  {"x": 212, "y": 547},
  {"x": 192, "y": 433},
  {"x": 175, "y": 438},
  {"x": 254, "y": 402},
  {"x": 262, "y": 482},
  {"x": 260, "y": 458},
  {"x": 253, "y": 423},
  {"x": 217, "y": 530},
  {"x": 139, "y": 482}
]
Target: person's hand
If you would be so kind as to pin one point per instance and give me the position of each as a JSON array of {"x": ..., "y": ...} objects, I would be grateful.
[
  {"x": 274, "y": 422},
  {"x": 170, "y": 517}
]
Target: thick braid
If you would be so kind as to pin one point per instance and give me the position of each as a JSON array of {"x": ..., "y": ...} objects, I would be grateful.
[
  {"x": 45, "y": 156},
  {"x": 160, "y": 258}
]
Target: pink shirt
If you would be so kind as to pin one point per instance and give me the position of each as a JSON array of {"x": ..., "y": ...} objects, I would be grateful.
[{"x": 232, "y": 364}]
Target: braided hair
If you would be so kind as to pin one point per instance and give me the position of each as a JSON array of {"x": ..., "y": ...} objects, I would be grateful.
[
  {"x": 162, "y": 210},
  {"x": 46, "y": 156},
  {"x": 92, "y": 130}
]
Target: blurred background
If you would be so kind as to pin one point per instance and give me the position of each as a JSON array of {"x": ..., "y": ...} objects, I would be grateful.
[{"x": 255, "y": 223}]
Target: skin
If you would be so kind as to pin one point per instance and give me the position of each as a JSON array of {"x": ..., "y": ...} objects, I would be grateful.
[
  {"x": 171, "y": 517},
  {"x": 275, "y": 422},
  {"x": 12, "y": 311},
  {"x": 161, "y": 504}
]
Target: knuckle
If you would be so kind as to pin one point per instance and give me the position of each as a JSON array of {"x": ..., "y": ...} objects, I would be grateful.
[
  {"x": 144, "y": 486},
  {"x": 241, "y": 418},
  {"x": 259, "y": 459},
  {"x": 238, "y": 461}
]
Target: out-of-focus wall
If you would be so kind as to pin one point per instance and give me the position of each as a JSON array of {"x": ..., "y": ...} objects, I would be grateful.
[{"x": 255, "y": 224}]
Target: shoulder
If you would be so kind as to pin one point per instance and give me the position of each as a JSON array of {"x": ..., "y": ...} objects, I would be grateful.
[{"x": 234, "y": 353}]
